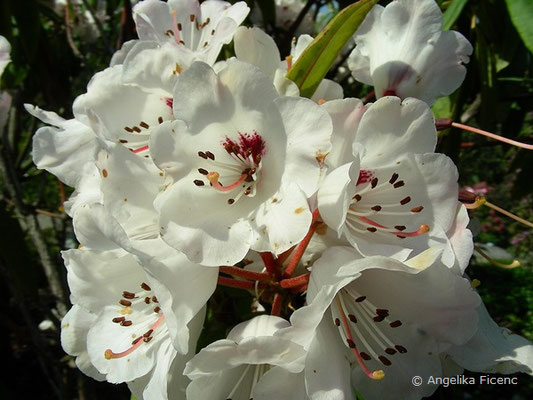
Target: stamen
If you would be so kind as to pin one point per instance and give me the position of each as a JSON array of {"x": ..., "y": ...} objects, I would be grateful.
[
  {"x": 514, "y": 264},
  {"x": 493, "y": 136},
  {"x": 213, "y": 178},
  {"x": 109, "y": 354},
  {"x": 377, "y": 375},
  {"x": 420, "y": 231},
  {"x": 175, "y": 27}
]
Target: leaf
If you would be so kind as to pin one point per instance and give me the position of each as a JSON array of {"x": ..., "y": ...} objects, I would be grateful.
[
  {"x": 312, "y": 66},
  {"x": 453, "y": 12},
  {"x": 521, "y": 13}
]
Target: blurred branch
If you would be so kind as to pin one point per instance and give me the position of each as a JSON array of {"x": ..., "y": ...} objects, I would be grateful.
[{"x": 24, "y": 214}]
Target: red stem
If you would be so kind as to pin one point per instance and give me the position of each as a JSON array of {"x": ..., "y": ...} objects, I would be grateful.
[
  {"x": 300, "y": 249},
  {"x": 238, "y": 284},
  {"x": 276, "y": 305},
  {"x": 242, "y": 273},
  {"x": 295, "y": 282},
  {"x": 271, "y": 265}
]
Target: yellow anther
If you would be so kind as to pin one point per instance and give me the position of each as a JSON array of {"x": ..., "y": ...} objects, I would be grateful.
[
  {"x": 475, "y": 283},
  {"x": 378, "y": 375}
]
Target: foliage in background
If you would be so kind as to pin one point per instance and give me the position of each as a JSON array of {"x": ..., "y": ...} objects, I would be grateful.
[{"x": 53, "y": 60}]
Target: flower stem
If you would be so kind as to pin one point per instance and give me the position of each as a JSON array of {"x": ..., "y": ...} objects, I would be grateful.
[
  {"x": 242, "y": 273},
  {"x": 492, "y": 136},
  {"x": 238, "y": 284},
  {"x": 300, "y": 249},
  {"x": 276, "y": 305},
  {"x": 271, "y": 265},
  {"x": 295, "y": 282}
]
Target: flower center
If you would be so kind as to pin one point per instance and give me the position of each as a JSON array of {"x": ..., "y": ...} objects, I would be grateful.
[
  {"x": 144, "y": 309},
  {"x": 197, "y": 37},
  {"x": 365, "y": 203},
  {"x": 240, "y": 176},
  {"x": 360, "y": 321}
]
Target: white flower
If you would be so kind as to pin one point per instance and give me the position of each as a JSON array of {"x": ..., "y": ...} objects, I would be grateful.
[
  {"x": 402, "y": 51},
  {"x": 393, "y": 195},
  {"x": 250, "y": 363},
  {"x": 373, "y": 323},
  {"x": 64, "y": 147},
  {"x": 243, "y": 161},
  {"x": 254, "y": 46},
  {"x": 5, "y": 57},
  {"x": 199, "y": 30},
  {"x": 124, "y": 326},
  {"x": 5, "y": 98}
]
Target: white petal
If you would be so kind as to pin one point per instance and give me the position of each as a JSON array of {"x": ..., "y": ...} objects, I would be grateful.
[
  {"x": 308, "y": 129},
  {"x": 327, "y": 369},
  {"x": 263, "y": 325},
  {"x": 64, "y": 150},
  {"x": 282, "y": 221},
  {"x": 494, "y": 349},
  {"x": 335, "y": 195},
  {"x": 345, "y": 115},
  {"x": 254, "y": 46},
  {"x": 280, "y": 384},
  {"x": 391, "y": 128}
]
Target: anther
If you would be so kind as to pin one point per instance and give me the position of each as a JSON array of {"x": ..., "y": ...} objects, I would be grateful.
[
  {"x": 157, "y": 309},
  {"x": 128, "y": 129},
  {"x": 357, "y": 197},
  {"x": 382, "y": 311},
  {"x": 118, "y": 320},
  {"x": 191, "y": 17},
  {"x": 351, "y": 343},
  {"x": 360, "y": 299},
  {"x": 365, "y": 356},
  {"x": 126, "y": 323},
  {"x": 400, "y": 349},
  {"x": 417, "y": 209},
  {"x": 203, "y": 171},
  {"x": 160, "y": 120},
  {"x": 154, "y": 299},
  {"x": 379, "y": 318},
  {"x": 198, "y": 182},
  {"x": 420, "y": 231},
  {"x": 125, "y": 303},
  {"x": 393, "y": 178},
  {"x": 384, "y": 360},
  {"x": 337, "y": 322},
  {"x": 390, "y": 351},
  {"x": 395, "y": 324},
  {"x": 148, "y": 333},
  {"x": 398, "y": 184},
  {"x": 371, "y": 229},
  {"x": 145, "y": 287},
  {"x": 202, "y": 155},
  {"x": 210, "y": 155},
  {"x": 352, "y": 318},
  {"x": 399, "y": 227},
  {"x": 128, "y": 295},
  {"x": 147, "y": 300},
  {"x": 405, "y": 201},
  {"x": 147, "y": 339},
  {"x": 144, "y": 125},
  {"x": 231, "y": 201},
  {"x": 376, "y": 208},
  {"x": 374, "y": 182},
  {"x": 136, "y": 129},
  {"x": 137, "y": 340}
]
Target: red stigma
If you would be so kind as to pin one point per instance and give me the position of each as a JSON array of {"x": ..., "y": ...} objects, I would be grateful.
[{"x": 249, "y": 145}]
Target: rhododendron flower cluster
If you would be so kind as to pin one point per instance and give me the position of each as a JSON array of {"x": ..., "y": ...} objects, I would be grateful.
[{"x": 191, "y": 171}]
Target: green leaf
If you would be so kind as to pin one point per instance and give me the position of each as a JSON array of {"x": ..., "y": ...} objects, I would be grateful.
[
  {"x": 312, "y": 66},
  {"x": 453, "y": 12},
  {"x": 521, "y": 12}
]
